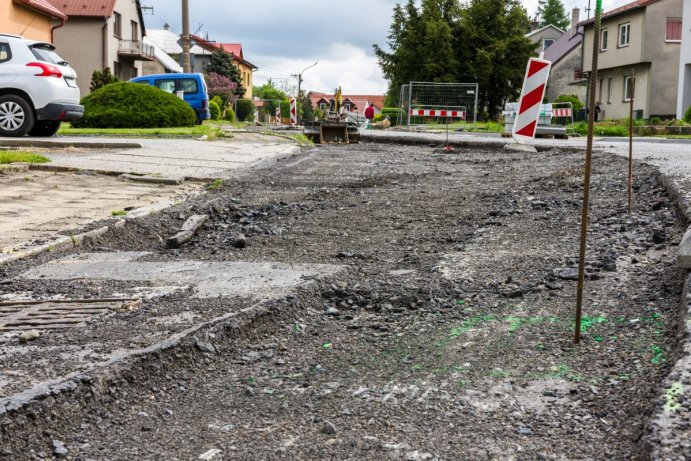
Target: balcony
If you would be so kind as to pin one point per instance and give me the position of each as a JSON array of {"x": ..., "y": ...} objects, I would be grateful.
[{"x": 136, "y": 49}]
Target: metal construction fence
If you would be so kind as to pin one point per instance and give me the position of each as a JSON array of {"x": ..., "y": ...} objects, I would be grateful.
[
  {"x": 419, "y": 100},
  {"x": 562, "y": 115},
  {"x": 265, "y": 110}
]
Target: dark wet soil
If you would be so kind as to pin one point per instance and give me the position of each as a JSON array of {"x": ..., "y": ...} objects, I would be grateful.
[{"x": 448, "y": 335}]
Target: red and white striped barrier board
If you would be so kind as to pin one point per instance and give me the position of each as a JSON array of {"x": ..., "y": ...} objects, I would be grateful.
[
  {"x": 533, "y": 91},
  {"x": 438, "y": 113},
  {"x": 293, "y": 112},
  {"x": 278, "y": 116},
  {"x": 561, "y": 112}
]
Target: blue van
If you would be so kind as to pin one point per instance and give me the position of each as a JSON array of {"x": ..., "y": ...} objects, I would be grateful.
[{"x": 193, "y": 87}]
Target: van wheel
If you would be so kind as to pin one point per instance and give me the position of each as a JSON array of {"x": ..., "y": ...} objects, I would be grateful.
[
  {"x": 16, "y": 116},
  {"x": 45, "y": 128}
]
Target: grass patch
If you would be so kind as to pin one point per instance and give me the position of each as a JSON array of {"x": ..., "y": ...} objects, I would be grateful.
[
  {"x": 10, "y": 156},
  {"x": 215, "y": 185},
  {"x": 197, "y": 131},
  {"x": 118, "y": 212}
]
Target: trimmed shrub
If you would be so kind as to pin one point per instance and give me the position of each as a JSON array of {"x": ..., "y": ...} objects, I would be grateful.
[
  {"x": 215, "y": 110},
  {"x": 572, "y": 98},
  {"x": 134, "y": 105},
  {"x": 687, "y": 115},
  {"x": 378, "y": 118},
  {"x": 230, "y": 115},
  {"x": 244, "y": 109},
  {"x": 392, "y": 113},
  {"x": 99, "y": 79}
]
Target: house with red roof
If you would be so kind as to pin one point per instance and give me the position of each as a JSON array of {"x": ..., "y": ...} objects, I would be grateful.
[
  {"x": 351, "y": 102},
  {"x": 235, "y": 50},
  {"x": 33, "y": 19},
  {"x": 100, "y": 34},
  {"x": 638, "y": 57}
]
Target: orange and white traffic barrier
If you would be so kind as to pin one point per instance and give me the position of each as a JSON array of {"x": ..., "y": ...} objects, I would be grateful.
[
  {"x": 277, "y": 121},
  {"x": 293, "y": 112},
  {"x": 533, "y": 91},
  {"x": 561, "y": 112},
  {"x": 438, "y": 113}
]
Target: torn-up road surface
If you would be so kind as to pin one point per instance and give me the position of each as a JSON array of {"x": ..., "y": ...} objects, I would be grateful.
[{"x": 387, "y": 302}]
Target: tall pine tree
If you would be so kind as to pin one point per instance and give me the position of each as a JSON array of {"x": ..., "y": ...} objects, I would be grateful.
[
  {"x": 221, "y": 63},
  {"x": 552, "y": 12}
]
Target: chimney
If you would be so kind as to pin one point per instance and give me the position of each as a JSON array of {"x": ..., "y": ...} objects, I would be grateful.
[
  {"x": 575, "y": 17},
  {"x": 166, "y": 26},
  {"x": 534, "y": 26}
]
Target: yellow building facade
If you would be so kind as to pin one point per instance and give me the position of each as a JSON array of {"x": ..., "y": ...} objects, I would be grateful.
[{"x": 31, "y": 19}]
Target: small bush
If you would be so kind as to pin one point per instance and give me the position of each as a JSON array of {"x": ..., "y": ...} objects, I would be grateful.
[
  {"x": 244, "y": 109},
  {"x": 572, "y": 98},
  {"x": 215, "y": 110},
  {"x": 687, "y": 115},
  {"x": 99, "y": 79},
  {"x": 230, "y": 115},
  {"x": 378, "y": 118},
  {"x": 655, "y": 121},
  {"x": 134, "y": 105},
  {"x": 392, "y": 113}
]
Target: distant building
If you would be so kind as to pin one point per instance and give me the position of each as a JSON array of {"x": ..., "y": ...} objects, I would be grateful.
[
  {"x": 100, "y": 34},
  {"x": 352, "y": 102},
  {"x": 201, "y": 50},
  {"x": 642, "y": 38},
  {"x": 33, "y": 19},
  {"x": 544, "y": 38},
  {"x": 566, "y": 55}
]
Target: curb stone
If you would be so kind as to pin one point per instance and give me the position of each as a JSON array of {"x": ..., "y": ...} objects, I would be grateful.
[{"x": 667, "y": 432}]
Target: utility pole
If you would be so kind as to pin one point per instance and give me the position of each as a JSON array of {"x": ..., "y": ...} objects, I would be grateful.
[
  {"x": 186, "y": 36},
  {"x": 299, "y": 77}
]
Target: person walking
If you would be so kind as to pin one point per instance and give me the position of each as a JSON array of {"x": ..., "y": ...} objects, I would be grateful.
[{"x": 369, "y": 115}]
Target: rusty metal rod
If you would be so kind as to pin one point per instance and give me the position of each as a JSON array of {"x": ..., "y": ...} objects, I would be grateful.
[
  {"x": 632, "y": 84},
  {"x": 586, "y": 181}
]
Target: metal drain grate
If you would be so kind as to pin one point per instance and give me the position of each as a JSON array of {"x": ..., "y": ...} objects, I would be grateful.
[{"x": 63, "y": 313}]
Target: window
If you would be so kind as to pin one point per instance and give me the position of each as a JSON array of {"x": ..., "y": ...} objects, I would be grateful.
[
  {"x": 546, "y": 43},
  {"x": 624, "y": 34},
  {"x": 602, "y": 87},
  {"x": 322, "y": 106},
  {"x": 673, "y": 30},
  {"x": 135, "y": 30},
  {"x": 5, "y": 52},
  {"x": 610, "y": 82},
  {"x": 117, "y": 25},
  {"x": 166, "y": 85},
  {"x": 603, "y": 39},
  {"x": 629, "y": 84}
]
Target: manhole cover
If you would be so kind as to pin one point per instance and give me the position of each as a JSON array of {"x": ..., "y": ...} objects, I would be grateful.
[{"x": 64, "y": 313}]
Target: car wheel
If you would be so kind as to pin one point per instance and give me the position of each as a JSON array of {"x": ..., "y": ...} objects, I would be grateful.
[
  {"x": 16, "y": 116},
  {"x": 45, "y": 128}
]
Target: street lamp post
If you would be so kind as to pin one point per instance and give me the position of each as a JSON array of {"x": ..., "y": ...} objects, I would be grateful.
[{"x": 299, "y": 77}]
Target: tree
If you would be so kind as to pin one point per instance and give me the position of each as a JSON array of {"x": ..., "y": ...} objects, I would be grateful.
[
  {"x": 221, "y": 63},
  {"x": 221, "y": 86},
  {"x": 271, "y": 95},
  {"x": 552, "y": 12},
  {"x": 442, "y": 41},
  {"x": 101, "y": 79}
]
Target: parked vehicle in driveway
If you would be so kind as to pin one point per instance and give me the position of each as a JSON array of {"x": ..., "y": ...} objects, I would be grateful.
[
  {"x": 38, "y": 89},
  {"x": 191, "y": 86}
]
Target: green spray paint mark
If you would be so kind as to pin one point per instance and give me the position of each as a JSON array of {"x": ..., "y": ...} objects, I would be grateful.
[
  {"x": 658, "y": 354},
  {"x": 589, "y": 322},
  {"x": 468, "y": 325},
  {"x": 672, "y": 394}
]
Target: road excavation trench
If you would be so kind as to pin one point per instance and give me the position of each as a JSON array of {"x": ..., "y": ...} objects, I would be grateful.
[{"x": 432, "y": 319}]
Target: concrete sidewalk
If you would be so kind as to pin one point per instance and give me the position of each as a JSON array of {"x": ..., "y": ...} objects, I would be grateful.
[{"x": 163, "y": 157}]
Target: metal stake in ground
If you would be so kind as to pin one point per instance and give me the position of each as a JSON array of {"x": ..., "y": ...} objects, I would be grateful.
[
  {"x": 632, "y": 86},
  {"x": 586, "y": 181},
  {"x": 448, "y": 148}
]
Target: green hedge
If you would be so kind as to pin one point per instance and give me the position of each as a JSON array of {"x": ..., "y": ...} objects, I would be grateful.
[
  {"x": 244, "y": 110},
  {"x": 576, "y": 103},
  {"x": 687, "y": 115},
  {"x": 392, "y": 113},
  {"x": 134, "y": 105}
]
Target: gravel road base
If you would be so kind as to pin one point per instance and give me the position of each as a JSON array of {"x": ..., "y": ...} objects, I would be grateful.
[{"x": 448, "y": 335}]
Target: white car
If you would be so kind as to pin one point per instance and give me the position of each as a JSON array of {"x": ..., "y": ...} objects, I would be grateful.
[{"x": 38, "y": 89}]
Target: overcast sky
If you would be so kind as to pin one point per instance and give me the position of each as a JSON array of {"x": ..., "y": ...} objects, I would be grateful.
[{"x": 283, "y": 37}]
